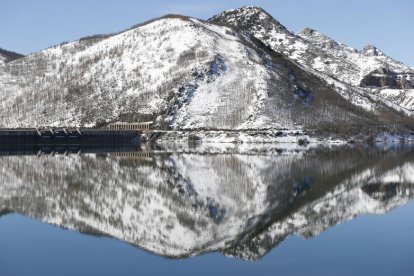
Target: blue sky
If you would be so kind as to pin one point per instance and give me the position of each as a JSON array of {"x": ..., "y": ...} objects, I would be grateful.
[{"x": 27, "y": 26}]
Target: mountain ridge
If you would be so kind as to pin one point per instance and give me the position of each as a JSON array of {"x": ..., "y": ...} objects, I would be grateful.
[{"x": 280, "y": 43}]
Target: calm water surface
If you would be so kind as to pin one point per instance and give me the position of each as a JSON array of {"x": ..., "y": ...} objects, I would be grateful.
[{"x": 237, "y": 211}]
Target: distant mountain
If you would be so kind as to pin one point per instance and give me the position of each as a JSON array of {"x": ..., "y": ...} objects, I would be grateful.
[
  {"x": 369, "y": 68},
  {"x": 185, "y": 204},
  {"x": 7, "y": 56},
  {"x": 241, "y": 70}
]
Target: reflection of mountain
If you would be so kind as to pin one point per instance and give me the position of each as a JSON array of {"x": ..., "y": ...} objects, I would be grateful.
[
  {"x": 372, "y": 189},
  {"x": 178, "y": 205}
]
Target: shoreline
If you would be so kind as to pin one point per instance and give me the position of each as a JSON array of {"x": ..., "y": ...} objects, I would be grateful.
[{"x": 293, "y": 136}]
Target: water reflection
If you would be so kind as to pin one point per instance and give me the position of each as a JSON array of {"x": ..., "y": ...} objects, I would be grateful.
[{"x": 182, "y": 203}]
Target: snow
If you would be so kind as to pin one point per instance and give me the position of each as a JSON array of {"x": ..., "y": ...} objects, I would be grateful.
[
  {"x": 402, "y": 97},
  {"x": 318, "y": 53},
  {"x": 344, "y": 203},
  {"x": 188, "y": 74},
  {"x": 362, "y": 62},
  {"x": 117, "y": 70},
  {"x": 140, "y": 199}
]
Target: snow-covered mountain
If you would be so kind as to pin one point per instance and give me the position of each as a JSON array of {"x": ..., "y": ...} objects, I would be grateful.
[
  {"x": 369, "y": 68},
  {"x": 179, "y": 205},
  {"x": 240, "y": 70}
]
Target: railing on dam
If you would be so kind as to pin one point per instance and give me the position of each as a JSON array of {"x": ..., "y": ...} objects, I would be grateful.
[{"x": 143, "y": 126}]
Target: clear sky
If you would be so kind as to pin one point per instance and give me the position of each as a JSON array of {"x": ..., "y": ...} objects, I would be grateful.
[{"x": 27, "y": 25}]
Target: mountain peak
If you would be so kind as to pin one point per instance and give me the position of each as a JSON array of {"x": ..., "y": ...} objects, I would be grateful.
[
  {"x": 249, "y": 16},
  {"x": 252, "y": 9},
  {"x": 247, "y": 10},
  {"x": 307, "y": 31},
  {"x": 371, "y": 50}
]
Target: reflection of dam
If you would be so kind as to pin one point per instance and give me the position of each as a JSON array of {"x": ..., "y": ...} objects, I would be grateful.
[
  {"x": 52, "y": 149},
  {"x": 68, "y": 136},
  {"x": 67, "y": 141}
]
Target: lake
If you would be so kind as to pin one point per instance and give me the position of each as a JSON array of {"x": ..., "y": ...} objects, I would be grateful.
[{"x": 208, "y": 210}]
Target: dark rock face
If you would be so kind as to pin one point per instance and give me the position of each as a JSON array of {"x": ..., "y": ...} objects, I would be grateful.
[
  {"x": 384, "y": 77},
  {"x": 370, "y": 50},
  {"x": 381, "y": 192}
]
